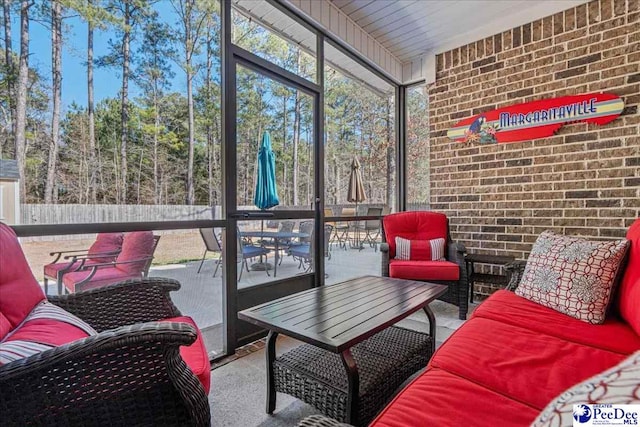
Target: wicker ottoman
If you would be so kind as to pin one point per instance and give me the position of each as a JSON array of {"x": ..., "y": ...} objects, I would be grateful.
[{"x": 384, "y": 362}]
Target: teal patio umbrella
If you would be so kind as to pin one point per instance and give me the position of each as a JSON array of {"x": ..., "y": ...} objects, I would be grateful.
[{"x": 266, "y": 193}]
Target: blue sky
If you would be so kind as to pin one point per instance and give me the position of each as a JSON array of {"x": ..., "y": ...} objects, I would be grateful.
[{"x": 74, "y": 72}]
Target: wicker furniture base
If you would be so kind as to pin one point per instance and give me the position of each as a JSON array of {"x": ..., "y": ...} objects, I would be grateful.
[{"x": 384, "y": 361}]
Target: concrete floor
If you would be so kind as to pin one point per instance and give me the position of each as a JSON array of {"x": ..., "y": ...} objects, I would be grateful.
[
  {"x": 238, "y": 389},
  {"x": 200, "y": 295}
]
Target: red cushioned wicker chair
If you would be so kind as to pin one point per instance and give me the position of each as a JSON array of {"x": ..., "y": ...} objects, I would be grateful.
[
  {"x": 426, "y": 226},
  {"x": 142, "y": 364}
]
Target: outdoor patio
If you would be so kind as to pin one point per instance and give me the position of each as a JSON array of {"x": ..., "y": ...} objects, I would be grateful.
[
  {"x": 490, "y": 148},
  {"x": 201, "y": 294}
]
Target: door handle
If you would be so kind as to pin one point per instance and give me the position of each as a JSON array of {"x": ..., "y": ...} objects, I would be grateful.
[{"x": 249, "y": 215}]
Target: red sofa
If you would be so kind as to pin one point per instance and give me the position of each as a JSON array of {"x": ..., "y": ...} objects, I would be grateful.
[
  {"x": 122, "y": 353},
  {"x": 513, "y": 357}
]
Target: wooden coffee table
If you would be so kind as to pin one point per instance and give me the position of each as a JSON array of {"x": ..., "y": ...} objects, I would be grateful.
[{"x": 346, "y": 319}]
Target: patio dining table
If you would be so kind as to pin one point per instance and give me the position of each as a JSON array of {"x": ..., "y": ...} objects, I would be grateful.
[{"x": 277, "y": 237}]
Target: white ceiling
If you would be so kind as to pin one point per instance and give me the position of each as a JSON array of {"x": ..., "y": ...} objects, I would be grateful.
[
  {"x": 411, "y": 28},
  {"x": 283, "y": 25}
]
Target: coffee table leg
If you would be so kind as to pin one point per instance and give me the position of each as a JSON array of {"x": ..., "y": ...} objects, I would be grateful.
[
  {"x": 432, "y": 327},
  {"x": 354, "y": 387},
  {"x": 271, "y": 385}
]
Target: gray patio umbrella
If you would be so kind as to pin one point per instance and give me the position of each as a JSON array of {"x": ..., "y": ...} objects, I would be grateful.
[{"x": 356, "y": 192}]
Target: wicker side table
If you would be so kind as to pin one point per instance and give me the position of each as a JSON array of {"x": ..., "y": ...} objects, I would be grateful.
[
  {"x": 496, "y": 279},
  {"x": 385, "y": 361}
]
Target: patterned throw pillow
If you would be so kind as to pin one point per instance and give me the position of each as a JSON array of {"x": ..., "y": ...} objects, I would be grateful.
[
  {"x": 420, "y": 250},
  {"x": 572, "y": 275},
  {"x": 618, "y": 385}
]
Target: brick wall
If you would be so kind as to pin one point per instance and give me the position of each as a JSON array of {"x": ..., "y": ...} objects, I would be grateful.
[{"x": 585, "y": 180}]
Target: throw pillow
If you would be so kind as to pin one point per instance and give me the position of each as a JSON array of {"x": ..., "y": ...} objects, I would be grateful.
[
  {"x": 46, "y": 327},
  {"x": 572, "y": 275},
  {"x": 618, "y": 385},
  {"x": 420, "y": 250}
]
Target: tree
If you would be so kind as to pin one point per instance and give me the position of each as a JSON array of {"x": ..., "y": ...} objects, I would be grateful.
[
  {"x": 191, "y": 17},
  {"x": 91, "y": 184},
  {"x": 131, "y": 13},
  {"x": 21, "y": 96},
  {"x": 10, "y": 75},
  {"x": 154, "y": 78},
  {"x": 56, "y": 74}
]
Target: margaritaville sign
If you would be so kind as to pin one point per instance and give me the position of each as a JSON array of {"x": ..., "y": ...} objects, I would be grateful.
[{"x": 537, "y": 119}]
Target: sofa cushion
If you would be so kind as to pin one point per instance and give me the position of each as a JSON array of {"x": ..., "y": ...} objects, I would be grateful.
[
  {"x": 136, "y": 245},
  {"x": 104, "y": 276},
  {"x": 527, "y": 366},
  {"x": 619, "y": 385},
  {"x": 106, "y": 243},
  {"x": 19, "y": 290},
  {"x": 506, "y": 307},
  {"x": 629, "y": 294},
  {"x": 46, "y": 327},
  {"x": 420, "y": 250},
  {"x": 439, "y": 398},
  {"x": 424, "y": 270},
  {"x": 572, "y": 275},
  {"x": 416, "y": 225},
  {"x": 195, "y": 355}
]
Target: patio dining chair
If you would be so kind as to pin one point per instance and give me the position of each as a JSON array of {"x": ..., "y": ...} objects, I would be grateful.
[
  {"x": 246, "y": 252},
  {"x": 341, "y": 230},
  {"x": 371, "y": 228},
  {"x": 304, "y": 252},
  {"x": 212, "y": 244}
]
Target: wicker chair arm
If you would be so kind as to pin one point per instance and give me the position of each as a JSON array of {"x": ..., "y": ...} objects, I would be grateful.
[
  {"x": 384, "y": 267},
  {"x": 133, "y": 373},
  {"x": 321, "y": 421},
  {"x": 515, "y": 271},
  {"x": 125, "y": 303}
]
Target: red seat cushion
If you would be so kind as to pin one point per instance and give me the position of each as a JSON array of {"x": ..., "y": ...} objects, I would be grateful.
[
  {"x": 19, "y": 290},
  {"x": 527, "y": 366},
  {"x": 424, "y": 270},
  {"x": 419, "y": 225},
  {"x": 195, "y": 355},
  {"x": 46, "y": 327},
  {"x": 506, "y": 307},
  {"x": 136, "y": 245},
  {"x": 439, "y": 398},
  {"x": 104, "y": 276},
  {"x": 629, "y": 295}
]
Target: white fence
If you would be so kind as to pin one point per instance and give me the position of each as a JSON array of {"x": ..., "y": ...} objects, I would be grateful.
[{"x": 32, "y": 214}]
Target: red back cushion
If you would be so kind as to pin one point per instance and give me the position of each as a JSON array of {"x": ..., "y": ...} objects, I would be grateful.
[
  {"x": 19, "y": 290},
  {"x": 106, "y": 243},
  {"x": 136, "y": 245},
  {"x": 419, "y": 225},
  {"x": 420, "y": 250},
  {"x": 629, "y": 294}
]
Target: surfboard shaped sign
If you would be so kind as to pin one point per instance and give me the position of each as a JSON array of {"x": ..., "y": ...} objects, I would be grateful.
[{"x": 537, "y": 119}]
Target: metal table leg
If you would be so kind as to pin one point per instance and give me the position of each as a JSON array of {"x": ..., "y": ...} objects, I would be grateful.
[
  {"x": 470, "y": 278},
  {"x": 432, "y": 327},
  {"x": 276, "y": 256},
  {"x": 353, "y": 393},
  {"x": 271, "y": 357}
]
